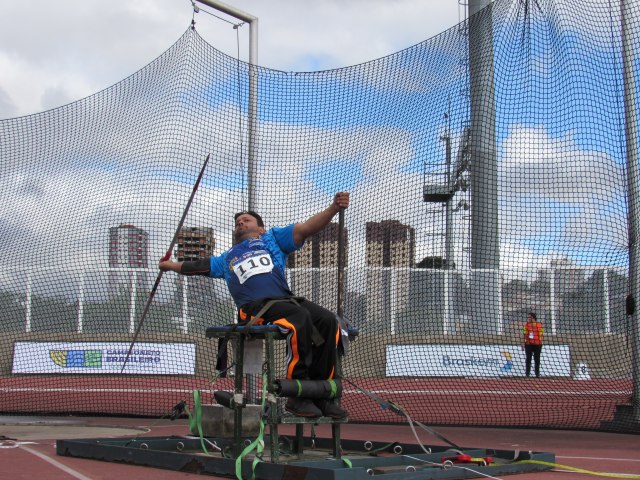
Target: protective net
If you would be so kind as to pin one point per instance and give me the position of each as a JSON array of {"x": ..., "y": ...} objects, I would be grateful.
[{"x": 487, "y": 175}]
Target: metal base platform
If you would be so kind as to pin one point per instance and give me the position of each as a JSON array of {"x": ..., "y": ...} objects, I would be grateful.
[{"x": 359, "y": 460}]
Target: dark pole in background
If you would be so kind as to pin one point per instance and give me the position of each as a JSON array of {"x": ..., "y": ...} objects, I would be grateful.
[{"x": 340, "y": 299}]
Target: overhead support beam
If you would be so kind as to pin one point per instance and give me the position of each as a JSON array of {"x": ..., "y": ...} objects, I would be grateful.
[{"x": 252, "y": 20}]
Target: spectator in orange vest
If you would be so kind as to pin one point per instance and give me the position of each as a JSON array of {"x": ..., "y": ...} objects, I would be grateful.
[{"x": 533, "y": 342}]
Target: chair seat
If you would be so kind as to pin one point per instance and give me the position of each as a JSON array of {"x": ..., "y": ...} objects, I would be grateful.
[
  {"x": 239, "y": 334},
  {"x": 255, "y": 331}
]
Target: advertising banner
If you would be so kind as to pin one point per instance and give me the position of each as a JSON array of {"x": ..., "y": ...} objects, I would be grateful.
[
  {"x": 104, "y": 357},
  {"x": 473, "y": 361}
]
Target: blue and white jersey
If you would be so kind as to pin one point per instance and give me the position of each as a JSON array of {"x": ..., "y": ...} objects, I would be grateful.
[{"x": 254, "y": 268}]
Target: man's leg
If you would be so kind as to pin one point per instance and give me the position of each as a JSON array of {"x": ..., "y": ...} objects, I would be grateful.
[
  {"x": 323, "y": 359},
  {"x": 295, "y": 323},
  {"x": 323, "y": 363},
  {"x": 529, "y": 352},
  {"x": 536, "y": 359}
]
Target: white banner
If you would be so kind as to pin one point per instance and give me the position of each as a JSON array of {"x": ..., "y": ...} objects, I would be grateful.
[
  {"x": 473, "y": 361},
  {"x": 104, "y": 357}
]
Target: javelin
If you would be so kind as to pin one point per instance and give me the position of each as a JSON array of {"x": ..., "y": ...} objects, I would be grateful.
[{"x": 166, "y": 257}]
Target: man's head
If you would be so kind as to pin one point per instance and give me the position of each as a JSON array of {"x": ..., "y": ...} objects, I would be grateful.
[
  {"x": 248, "y": 225},
  {"x": 532, "y": 317}
]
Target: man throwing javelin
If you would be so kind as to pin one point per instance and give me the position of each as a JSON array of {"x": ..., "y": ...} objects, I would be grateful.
[{"x": 254, "y": 270}]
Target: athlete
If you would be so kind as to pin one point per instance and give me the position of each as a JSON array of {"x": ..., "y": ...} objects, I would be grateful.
[{"x": 254, "y": 270}]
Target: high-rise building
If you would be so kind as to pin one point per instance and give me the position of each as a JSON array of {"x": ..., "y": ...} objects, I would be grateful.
[
  {"x": 315, "y": 265},
  {"x": 195, "y": 243},
  {"x": 128, "y": 246},
  {"x": 390, "y": 256},
  {"x": 320, "y": 250},
  {"x": 390, "y": 244},
  {"x": 567, "y": 276},
  {"x": 196, "y": 294},
  {"x": 128, "y": 249}
]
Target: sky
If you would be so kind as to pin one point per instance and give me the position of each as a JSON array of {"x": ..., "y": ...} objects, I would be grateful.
[{"x": 53, "y": 53}]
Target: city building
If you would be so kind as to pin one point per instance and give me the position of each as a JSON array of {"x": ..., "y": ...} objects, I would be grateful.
[
  {"x": 313, "y": 268},
  {"x": 194, "y": 243},
  {"x": 390, "y": 259},
  {"x": 390, "y": 244},
  {"x": 128, "y": 250},
  {"x": 128, "y": 246}
]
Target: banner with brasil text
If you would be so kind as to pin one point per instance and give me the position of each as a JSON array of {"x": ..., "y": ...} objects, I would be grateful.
[{"x": 473, "y": 361}]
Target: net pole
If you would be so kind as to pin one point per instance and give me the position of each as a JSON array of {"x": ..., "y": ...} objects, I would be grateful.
[
  {"x": 340, "y": 294},
  {"x": 485, "y": 234},
  {"x": 633, "y": 192},
  {"x": 252, "y": 20}
]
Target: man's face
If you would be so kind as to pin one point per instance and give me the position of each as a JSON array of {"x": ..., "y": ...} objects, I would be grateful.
[{"x": 247, "y": 227}]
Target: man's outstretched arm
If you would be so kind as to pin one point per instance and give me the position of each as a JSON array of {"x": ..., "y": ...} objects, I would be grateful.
[
  {"x": 197, "y": 267},
  {"x": 302, "y": 231}
]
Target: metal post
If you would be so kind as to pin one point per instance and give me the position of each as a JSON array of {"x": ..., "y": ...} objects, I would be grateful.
[
  {"x": 253, "y": 348},
  {"x": 132, "y": 302},
  {"x": 253, "y": 115},
  {"x": 552, "y": 301},
  {"x": 483, "y": 165},
  {"x": 27, "y": 307},
  {"x": 448, "y": 238},
  {"x": 80, "y": 325},
  {"x": 393, "y": 298},
  {"x": 631, "y": 133},
  {"x": 607, "y": 312},
  {"x": 185, "y": 306},
  {"x": 485, "y": 235},
  {"x": 447, "y": 310},
  {"x": 253, "y": 92}
]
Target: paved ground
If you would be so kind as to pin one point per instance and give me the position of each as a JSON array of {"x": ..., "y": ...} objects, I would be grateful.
[{"x": 28, "y": 448}]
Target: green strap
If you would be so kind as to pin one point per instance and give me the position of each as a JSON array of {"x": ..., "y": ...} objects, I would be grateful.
[
  {"x": 299, "y": 388},
  {"x": 195, "y": 420},
  {"x": 334, "y": 388},
  {"x": 258, "y": 443}
]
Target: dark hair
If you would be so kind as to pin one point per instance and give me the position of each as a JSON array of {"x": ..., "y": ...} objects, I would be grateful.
[
  {"x": 533, "y": 315},
  {"x": 253, "y": 214}
]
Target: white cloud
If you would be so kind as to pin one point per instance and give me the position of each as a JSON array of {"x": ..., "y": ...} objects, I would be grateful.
[
  {"x": 78, "y": 47},
  {"x": 85, "y": 55},
  {"x": 553, "y": 189}
]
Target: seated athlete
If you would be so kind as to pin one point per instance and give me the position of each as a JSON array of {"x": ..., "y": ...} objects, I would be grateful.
[{"x": 254, "y": 269}]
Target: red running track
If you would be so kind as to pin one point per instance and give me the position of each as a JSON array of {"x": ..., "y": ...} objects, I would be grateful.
[{"x": 545, "y": 402}]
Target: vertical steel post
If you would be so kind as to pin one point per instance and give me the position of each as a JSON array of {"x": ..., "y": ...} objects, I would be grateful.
[
  {"x": 253, "y": 348},
  {"x": 80, "y": 326},
  {"x": 631, "y": 137},
  {"x": 485, "y": 234}
]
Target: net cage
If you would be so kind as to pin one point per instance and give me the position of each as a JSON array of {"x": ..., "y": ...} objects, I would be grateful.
[{"x": 487, "y": 172}]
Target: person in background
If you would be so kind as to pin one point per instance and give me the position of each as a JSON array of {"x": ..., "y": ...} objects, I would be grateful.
[{"x": 533, "y": 332}]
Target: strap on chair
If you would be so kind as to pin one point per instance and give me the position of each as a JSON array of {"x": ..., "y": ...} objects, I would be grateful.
[{"x": 316, "y": 338}]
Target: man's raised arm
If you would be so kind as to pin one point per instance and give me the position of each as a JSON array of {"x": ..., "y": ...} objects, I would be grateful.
[{"x": 302, "y": 231}]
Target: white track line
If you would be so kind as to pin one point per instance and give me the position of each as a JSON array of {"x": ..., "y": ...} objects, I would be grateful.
[
  {"x": 55, "y": 463},
  {"x": 527, "y": 393}
]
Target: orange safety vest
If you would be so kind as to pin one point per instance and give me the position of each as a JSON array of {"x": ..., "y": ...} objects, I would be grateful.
[{"x": 533, "y": 333}]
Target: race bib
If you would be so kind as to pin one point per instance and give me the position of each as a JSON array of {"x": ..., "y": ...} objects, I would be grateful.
[{"x": 259, "y": 262}]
